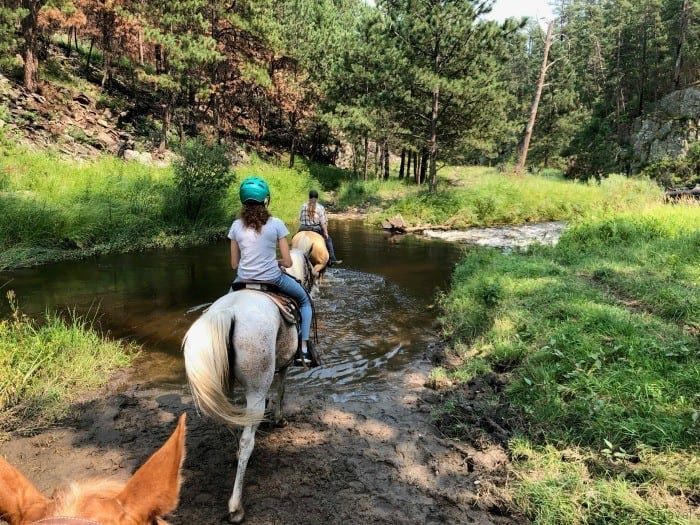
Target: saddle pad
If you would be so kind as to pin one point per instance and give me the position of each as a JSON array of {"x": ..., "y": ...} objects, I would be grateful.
[{"x": 288, "y": 307}]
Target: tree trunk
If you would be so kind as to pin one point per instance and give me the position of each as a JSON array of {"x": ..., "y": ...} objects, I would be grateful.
[
  {"x": 403, "y": 162},
  {"x": 30, "y": 33},
  {"x": 366, "y": 156},
  {"x": 432, "y": 144},
  {"x": 89, "y": 57},
  {"x": 376, "y": 159},
  {"x": 423, "y": 166},
  {"x": 70, "y": 42},
  {"x": 386, "y": 159},
  {"x": 682, "y": 26},
  {"x": 538, "y": 92},
  {"x": 415, "y": 167},
  {"x": 167, "y": 119}
]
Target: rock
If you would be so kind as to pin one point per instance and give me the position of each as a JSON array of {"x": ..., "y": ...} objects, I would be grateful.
[{"x": 668, "y": 130}]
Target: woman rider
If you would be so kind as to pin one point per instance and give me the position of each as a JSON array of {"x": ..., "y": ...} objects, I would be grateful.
[
  {"x": 312, "y": 216},
  {"x": 255, "y": 236}
]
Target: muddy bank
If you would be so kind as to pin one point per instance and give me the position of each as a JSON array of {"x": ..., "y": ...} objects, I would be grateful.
[{"x": 366, "y": 457}]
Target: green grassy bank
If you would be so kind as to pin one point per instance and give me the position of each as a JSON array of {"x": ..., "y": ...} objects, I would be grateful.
[
  {"x": 47, "y": 366},
  {"x": 54, "y": 209},
  {"x": 595, "y": 346}
]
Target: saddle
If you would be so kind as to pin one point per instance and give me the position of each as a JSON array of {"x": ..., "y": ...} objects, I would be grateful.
[{"x": 288, "y": 307}]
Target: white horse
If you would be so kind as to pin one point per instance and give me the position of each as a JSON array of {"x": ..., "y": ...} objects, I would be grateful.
[{"x": 248, "y": 326}]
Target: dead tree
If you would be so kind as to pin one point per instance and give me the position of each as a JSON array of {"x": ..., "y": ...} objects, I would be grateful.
[{"x": 538, "y": 92}]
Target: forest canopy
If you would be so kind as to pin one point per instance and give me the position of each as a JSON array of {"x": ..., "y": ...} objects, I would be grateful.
[{"x": 431, "y": 81}]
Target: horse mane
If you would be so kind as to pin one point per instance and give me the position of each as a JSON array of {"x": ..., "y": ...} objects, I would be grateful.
[{"x": 68, "y": 500}]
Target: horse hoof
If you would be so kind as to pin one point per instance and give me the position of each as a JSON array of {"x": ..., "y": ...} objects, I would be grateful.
[{"x": 237, "y": 516}]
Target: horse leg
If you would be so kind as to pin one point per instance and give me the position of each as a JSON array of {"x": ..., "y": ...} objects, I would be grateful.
[
  {"x": 236, "y": 513},
  {"x": 279, "y": 418}
]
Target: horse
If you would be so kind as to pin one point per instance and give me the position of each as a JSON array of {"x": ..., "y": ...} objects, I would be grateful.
[
  {"x": 150, "y": 493},
  {"x": 314, "y": 246},
  {"x": 247, "y": 327}
]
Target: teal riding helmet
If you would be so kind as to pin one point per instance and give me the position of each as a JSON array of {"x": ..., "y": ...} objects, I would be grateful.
[{"x": 254, "y": 190}]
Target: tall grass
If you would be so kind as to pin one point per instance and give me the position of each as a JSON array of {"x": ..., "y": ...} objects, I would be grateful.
[
  {"x": 54, "y": 209},
  {"x": 600, "y": 338},
  {"x": 471, "y": 196},
  {"x": 45, "y": 367}
]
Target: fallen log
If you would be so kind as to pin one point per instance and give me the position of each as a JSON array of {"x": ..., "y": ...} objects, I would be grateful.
[{"x": 678, "y": 194}]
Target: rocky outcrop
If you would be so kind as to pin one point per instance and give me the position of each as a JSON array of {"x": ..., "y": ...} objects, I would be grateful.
[{"x": 668, "y": 130}]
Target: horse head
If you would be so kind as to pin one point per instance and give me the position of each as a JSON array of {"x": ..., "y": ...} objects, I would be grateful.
[
  {"x": 302, "y": 269},
  {"x": 150, "y": 493}
]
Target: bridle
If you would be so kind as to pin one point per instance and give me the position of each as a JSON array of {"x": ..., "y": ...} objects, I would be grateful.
[{"x": 70, "y": 520}]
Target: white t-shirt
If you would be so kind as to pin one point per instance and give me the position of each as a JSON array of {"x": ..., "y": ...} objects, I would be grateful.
[{"x": 258, "y": 250}]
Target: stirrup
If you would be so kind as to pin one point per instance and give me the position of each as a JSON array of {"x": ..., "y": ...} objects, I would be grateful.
[{"x": 302, "y": 359}]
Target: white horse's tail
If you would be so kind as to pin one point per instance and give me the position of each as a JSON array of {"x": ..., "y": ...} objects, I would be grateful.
[{"x": 205, "y": 349}]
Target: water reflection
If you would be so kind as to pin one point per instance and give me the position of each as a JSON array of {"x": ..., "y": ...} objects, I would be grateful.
[{"x": 373, "y": 311}]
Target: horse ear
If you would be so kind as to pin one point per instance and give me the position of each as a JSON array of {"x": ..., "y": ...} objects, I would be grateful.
[
  {"x": 155, "y": 487},
  {"x": 20, "y": 501}
]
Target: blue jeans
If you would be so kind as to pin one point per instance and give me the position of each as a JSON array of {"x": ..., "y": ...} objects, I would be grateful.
[{"x": 292, "y": 288}]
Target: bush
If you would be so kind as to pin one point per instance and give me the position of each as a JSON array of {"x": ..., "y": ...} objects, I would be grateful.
[
  {"x": 202, "y": 174},
  {"x": 677, "y": 173}
]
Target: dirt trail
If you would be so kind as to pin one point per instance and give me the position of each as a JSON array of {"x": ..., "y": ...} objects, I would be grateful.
[{"x": 373, "y": 458}]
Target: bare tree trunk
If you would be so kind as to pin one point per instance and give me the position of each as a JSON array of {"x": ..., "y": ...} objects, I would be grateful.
[
  {"x": 386, "y": 159},
  {"x": 423, "y": 166},
  {"x": 70, "y": 41},
  {"x": 403, "y": 163},
  {"x": 140, "y": 47},
  {"x": 432, "y": 144},
  {"x": 415, "y": 167},
  {"x": 376, "y": 159},
  {"x": 366, "y": 156},
  {"x": 168, "y": 108},
  {"x": 30, "y": 33},
  {"x": 682, "y": 26},
  {"x": 538, "y": 92}
]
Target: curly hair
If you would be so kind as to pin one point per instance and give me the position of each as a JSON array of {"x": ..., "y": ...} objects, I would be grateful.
[{"x": 255, "y": 216}]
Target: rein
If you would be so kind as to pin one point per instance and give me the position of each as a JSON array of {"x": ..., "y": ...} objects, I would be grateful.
[{"x": 70, "y": 520}]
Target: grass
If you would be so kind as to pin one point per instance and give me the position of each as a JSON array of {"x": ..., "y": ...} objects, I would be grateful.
[
  {"x": 598, "y": 339},
  {"x": 55, "y": 209},
  {"x": 46, "y": 367},
  {"x": 479, "y": 196}
]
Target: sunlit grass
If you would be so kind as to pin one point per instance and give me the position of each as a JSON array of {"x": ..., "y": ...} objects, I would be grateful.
[
  {"x": 46, "y": 366},
  {"x": 482, "y": 197},
  {"x": 600, "y": 338}
]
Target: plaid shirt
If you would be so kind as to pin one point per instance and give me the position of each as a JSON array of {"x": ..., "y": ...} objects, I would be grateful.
[{"x": 317, "y": 220}]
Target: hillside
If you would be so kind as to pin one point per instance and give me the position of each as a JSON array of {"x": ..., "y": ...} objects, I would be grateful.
[{"x": 76, "y": 118}]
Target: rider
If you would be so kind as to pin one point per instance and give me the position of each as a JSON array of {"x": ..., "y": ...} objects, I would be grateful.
[
  {"x": 255, "y": 236},
  {"x": 312, "y": 216}
]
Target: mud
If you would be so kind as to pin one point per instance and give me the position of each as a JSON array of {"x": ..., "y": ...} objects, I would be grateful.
[{"x": 372, "y": 457}]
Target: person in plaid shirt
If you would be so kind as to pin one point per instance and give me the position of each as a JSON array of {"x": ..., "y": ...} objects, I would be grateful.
[{"x": 312, "y": 217}]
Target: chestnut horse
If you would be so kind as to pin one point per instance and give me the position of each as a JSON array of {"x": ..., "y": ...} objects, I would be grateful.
[
  {"x": 150, "y": 493},
  {"x": 246, "y": 327},
  {"x": 312, "y": 244}
]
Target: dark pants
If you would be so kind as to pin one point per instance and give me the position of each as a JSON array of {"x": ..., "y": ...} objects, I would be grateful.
[{"x": 329, "y": 241}]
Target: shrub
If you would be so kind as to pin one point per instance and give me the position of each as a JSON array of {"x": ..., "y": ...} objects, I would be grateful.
[{"x": 202, "y": 174}]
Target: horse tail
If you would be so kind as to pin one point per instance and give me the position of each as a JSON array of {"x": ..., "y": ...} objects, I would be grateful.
[{"x": 205, "y": 348}]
